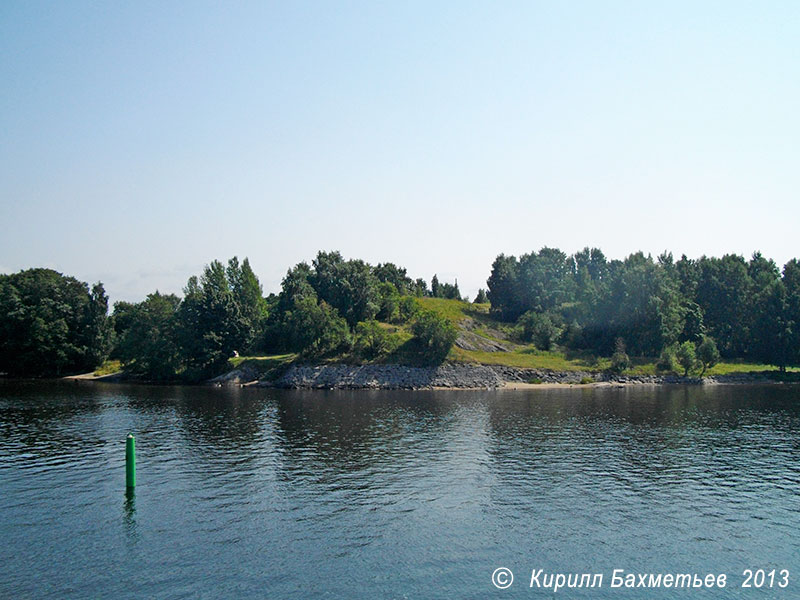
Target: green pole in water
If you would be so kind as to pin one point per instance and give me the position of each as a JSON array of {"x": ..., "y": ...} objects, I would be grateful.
[{"x": 130, "y": 462}]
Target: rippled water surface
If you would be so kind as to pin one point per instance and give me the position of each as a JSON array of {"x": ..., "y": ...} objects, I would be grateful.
[{"x": 292, "y": 494}]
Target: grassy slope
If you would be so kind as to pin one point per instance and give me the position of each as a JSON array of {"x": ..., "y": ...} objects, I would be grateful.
[
  {"x": 481, "y": 324},
  {"x": 529, "y": 357}
]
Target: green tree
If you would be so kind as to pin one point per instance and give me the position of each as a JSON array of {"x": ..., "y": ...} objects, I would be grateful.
[
  {"x": 249, "y": 296},
  {"x": 147, "y": 346},
  {"x": 504, "y": 289},
  {"x": 686, "y": 357},
  {"x": 315, "y": 328},
  {"x": 348, "y": 286},
  {"x": 540, "y": 329},
  {"x": 668, "y": 360},
  {"x": 791, "y": 283},
  {"x": 481, "y": 298},
  {"x": 389, "y": 302},
  {"x": 620, "y": 360},
  {"x": 51, "y": 324},
  {"x": 210, "y": 322},
  {"x": 391, "y": 273},
  {"x": 707, "y": 354},
  {"x": 407, "y": 309},
  {"x": 724, "y": 294},
  {"x": 773, "y": 326},
  {"x": 436, "y": 289}
]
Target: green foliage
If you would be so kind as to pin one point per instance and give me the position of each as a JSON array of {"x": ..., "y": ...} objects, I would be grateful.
[
  {"x": 211, "y": 324},
  {"x": 586, "y": 380},
  {"x": 51, "y": 324},
  {"x": 481, "y": 298},
  {"x": 435, "y": 334},
  {"x": 389, "y": 301},
  {"x": 619, "y": 360},
  {"x": 707, "y": 354},
  {"x": 419, "y": 288},
  {"x": 668, "y": 361},
  {"x": 449, "y": 291},
  {"x": 686, "y": 357},
  {"x": 539, "y": 329},
  {"x": 407, "y": 309},
  {"x": 147, "y": 346},
  {"x": 249, "y": 297},
  {"x": 315, "y": 328},
  {"x": 348, "y": 286},
  {"x": 391, "y": 273},
  {"x": 372, "y": 340},
  {"x": 108, "y": 367}
]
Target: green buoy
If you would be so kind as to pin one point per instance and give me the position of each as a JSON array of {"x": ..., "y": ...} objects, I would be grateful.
[{"x": 130, "y": 462}]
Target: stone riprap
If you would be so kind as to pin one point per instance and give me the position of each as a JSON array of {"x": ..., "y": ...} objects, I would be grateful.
[
  {"x": 454, "y": 375},
  {"x": 388, "y": 377}
]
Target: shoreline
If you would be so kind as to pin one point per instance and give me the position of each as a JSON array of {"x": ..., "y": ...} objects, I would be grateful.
[
  {"x": 445, "y": 377},
  {"x": 456, "y": 376}
]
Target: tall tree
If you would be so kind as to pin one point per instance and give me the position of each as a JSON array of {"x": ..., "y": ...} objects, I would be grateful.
[
  {"x": 51, "y": 324},
  {"x": 148, "y": 345}
]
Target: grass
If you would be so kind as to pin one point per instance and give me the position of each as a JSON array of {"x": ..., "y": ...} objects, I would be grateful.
[
  {"x": 108, "y": 367},
  {"x": 454, "y": 311},
  {"x": 525, "y": 358},
  {"x": 267, "y": 367},
  {"x": 725, "y": 368}
]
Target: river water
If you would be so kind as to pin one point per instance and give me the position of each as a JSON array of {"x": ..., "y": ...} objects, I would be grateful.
[{"x": 255, "y": 493}]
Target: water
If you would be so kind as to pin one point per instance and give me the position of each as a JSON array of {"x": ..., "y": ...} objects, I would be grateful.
[{"x": 246, "y": 493}]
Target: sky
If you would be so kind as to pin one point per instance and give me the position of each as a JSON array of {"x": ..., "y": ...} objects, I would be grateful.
[{"x": 141, "y": 140}]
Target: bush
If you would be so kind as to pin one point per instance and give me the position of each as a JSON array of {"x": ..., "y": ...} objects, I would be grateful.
[
  {"x": 586, "y": 380},
  {"x": 686, "y": 357},
  {"x": 667, "y": 362},
  {"x": 372, "y": 340},
  {"x": 407, "y": 309},
  {"x": 707, "y": 354},
  {"x": 435, "y": 334},
  {"x": 620, "y": 360},
  {"x": 315, "y": 329},
  {"x": 539, "y": 328}
]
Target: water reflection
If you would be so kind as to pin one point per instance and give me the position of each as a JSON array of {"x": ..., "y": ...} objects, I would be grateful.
[
  {"x": 293, "y": 494},
  {"x": 129, "y": 515}
]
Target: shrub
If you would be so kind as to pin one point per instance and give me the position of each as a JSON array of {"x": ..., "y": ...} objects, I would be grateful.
[
  {"x": 686, "y": 357},
  {"x": 667, "y": 362},
  {"x": 620, "y": 360},
  {"x": 372, "y": 340},
  {"x": 707, "y": 354},
  {"x": 539, "y": 328},
  {"x": 586, "y": 380},
  {"x": 435, "y": 334},
  {"x": 407, "y": 309}
]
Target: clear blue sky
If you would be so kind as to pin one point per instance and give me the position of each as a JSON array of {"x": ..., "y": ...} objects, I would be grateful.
[{"x": 141, "y": 140}]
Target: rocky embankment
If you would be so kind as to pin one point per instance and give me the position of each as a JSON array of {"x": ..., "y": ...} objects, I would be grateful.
[{"x": 452, "y": 375}]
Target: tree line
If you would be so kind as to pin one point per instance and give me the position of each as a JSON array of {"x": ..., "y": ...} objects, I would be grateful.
[
  {"x": 686, "y": 312},
  {"x": 748, "y": 309},
  {"x": 332, "y": 306}
]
